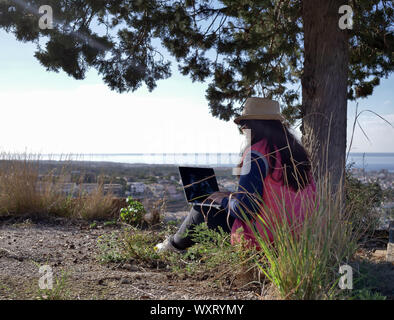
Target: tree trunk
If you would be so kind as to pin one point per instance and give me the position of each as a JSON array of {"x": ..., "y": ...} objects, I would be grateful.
[{"x": 324, "y": 88}]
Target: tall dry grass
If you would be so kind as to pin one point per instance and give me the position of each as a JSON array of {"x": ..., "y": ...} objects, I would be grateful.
[
  {"x": 303, "y": 259},
  {"x": 25, "y": 189},
  {"x": 304, "y": 256},
  {"x": 95, "y": 205}
]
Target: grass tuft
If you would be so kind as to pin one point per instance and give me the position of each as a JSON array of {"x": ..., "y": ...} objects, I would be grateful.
[{"x": 25, "y": 190}]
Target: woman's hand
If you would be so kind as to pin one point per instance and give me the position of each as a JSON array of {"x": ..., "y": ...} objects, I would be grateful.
[{"x": 218, "y": 196}]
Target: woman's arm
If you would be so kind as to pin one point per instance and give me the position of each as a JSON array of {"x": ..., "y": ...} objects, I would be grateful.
[{"x": 250, "y": 187}]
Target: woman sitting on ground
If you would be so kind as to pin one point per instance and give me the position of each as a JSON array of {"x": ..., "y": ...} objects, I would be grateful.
[{"x": 273, "y": 168}]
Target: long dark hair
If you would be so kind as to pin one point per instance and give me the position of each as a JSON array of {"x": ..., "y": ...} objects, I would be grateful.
[{"x": 295, "y": 161}]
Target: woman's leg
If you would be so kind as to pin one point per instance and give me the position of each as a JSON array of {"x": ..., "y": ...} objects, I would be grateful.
[{"x": 195, "y": 217}]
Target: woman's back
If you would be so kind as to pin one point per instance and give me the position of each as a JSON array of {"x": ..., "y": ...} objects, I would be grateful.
[{"x": 279, "y": 200}]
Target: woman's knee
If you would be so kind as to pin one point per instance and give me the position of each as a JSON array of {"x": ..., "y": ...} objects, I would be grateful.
[{"x": 216, "y": 218}]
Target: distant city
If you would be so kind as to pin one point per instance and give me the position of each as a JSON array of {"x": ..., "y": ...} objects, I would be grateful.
[
  {"x": 367, "y": 161},
  {"x": 152, "y": 182},
  {"x": 383, "y": 177},
  {"x": 150, "y": 187}
]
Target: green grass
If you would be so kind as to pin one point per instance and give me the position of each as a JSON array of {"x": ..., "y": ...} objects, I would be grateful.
[
  {"x": 364, "y": 294},
  {"x": 362, "y": 200},
  {"x": 213, "y": 251},
  {"x": 303, "y": 260},
  {"x": 60, "y": 289},
  {"x": 213, "y": 257},
  {"x": 302, "y": 264},
  {"x": 110, "y": 249},
  {"x": 110, "y": 223}
]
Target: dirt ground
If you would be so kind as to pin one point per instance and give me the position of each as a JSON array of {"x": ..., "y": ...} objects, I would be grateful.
[
  {"x": 70, "y": 248},
  {"x": 370, "y": 261}
]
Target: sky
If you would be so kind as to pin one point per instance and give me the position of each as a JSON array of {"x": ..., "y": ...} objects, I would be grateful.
[{"x": 48, "y": 112}]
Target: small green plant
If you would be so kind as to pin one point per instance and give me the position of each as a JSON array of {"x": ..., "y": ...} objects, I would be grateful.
[
  {"x": 173, "y": 222},
  {"x": 133, "y": 213},
  {"x": 60, "y": 290},
  {"x": 365, "y": 294},
  {"x": 139, "y": 245},
  {"x": 212, "y": 256},
  {"x": 110, "y": 223},
  {"x": 133, "y": 243},
  {"x": 110, "y": 249},
  {"x": 93, "y": 225},
  {"x": 362, "y": 200},
  {"x": 213, "y": 253}
]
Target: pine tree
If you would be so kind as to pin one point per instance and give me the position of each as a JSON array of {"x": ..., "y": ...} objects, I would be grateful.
[{"x": 243, "y": 48}]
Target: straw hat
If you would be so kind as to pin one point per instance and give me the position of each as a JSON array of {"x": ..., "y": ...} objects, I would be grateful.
[{"x": 260, "y": 109}]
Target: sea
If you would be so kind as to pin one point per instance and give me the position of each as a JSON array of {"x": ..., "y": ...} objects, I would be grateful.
[{"x": 367, "y": 161}]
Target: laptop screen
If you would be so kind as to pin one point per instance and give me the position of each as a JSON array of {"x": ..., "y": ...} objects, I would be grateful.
[{"x": 198, "y": 183}]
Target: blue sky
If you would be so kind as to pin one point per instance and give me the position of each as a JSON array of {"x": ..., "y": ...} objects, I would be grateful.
[{"x": 50, "y": 112}]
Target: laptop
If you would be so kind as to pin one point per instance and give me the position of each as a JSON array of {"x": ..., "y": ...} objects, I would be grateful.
[{"x": 198, "y": 184}]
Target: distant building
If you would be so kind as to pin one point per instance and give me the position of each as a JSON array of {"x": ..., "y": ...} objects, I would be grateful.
[
  {"x": 156, "y": 189},
  {"x": 174, "y": 193},
  {"x": 113, "y": 188},
  {"x": 88, "y": 187},
  {"x": 171, "y": 189},
  {"x": 388, "y": 205},
  {"x": 381, "y": 175},
  {"x": 136, "y": 187}
]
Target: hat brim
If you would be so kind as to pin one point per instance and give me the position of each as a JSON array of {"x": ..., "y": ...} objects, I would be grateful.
[{"x": 259, "y": 117}]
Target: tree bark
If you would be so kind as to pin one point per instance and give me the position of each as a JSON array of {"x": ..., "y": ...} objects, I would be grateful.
[{"x": 324, "y": 88}]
